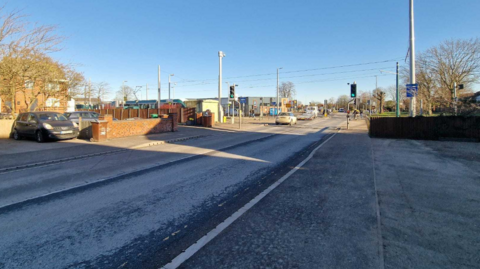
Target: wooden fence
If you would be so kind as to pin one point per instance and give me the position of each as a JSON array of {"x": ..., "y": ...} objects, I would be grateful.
[
  {"x": 429, "y": 128},
  {"x": 122, "y": 114}
]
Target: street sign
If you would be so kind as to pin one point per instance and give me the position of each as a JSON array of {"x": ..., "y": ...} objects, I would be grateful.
[
  {"x": 274, "y": 103},
  {"x": 242, "y": 100},
  {"x": 412, "y": 90},
  {"x": 288, "y": 105}
]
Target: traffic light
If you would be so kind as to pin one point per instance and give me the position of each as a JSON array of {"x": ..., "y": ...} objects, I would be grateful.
[
  {"x": 353, "y": 90},
  {"x": 232, "y": 92}
]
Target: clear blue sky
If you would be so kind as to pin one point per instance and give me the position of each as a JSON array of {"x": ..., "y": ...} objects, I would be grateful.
[{"x": 121, "y": 40}]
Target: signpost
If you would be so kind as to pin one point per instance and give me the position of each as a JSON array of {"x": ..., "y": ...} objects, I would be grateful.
[{"x": 412, "y": 90}]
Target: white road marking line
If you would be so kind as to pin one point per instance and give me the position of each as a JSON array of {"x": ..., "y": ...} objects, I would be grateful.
[{"x": 190, "y": 251}]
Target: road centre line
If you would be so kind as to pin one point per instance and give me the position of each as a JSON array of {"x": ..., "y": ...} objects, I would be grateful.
[{"x": 190, "y": 251}]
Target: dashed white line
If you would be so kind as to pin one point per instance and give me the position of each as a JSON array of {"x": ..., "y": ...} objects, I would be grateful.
[{"x": 190, "y": 251}]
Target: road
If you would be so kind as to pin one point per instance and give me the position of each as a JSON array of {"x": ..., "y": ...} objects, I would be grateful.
[{"x": 135, "y": 208}]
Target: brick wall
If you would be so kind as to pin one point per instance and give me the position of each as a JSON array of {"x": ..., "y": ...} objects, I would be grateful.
[{"x": 123, "y": 128}]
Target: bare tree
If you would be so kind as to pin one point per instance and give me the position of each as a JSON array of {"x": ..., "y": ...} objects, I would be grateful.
[
  {"x": 125, "y": 93},
  {"x": 75, "y": 82},
  {"x": 342, "y": 101},
  {"x": 100, "y": 89},
  {"x": 287, "y": 90},
  {"x": 331, "y": 102},
  {"x": 379, "y": 94},
  {"x": 455, "y": 61},
  {"x": 22, "y": 46}
]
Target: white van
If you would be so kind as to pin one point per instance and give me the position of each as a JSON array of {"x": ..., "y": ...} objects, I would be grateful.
[{"x": 312, "y": 110}]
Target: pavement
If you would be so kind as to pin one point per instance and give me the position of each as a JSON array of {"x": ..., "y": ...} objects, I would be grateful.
[{"x": 429, "y": 194}]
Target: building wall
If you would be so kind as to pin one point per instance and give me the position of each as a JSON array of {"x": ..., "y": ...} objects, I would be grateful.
[{"x": 40, "y": 103}]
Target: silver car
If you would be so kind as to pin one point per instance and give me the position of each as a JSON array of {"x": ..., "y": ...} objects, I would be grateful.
[
  {"x": 86, "y": 116},
  {"x": 286, "y": 118}
]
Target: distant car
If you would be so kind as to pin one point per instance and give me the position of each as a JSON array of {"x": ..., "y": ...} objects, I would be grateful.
[
  {"x": 312, "y": 110},
  {"x": 86, "y": 116},
  {"x": 43, "y": 126},
  {"x": 341, "y": 110},
  {"x": 305, "y": 116},
  {"x": 286, "y": 118}
]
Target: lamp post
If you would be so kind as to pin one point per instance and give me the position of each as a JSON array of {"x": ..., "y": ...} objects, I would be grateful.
[
  {"x": 171, "y": 75},
  {"x": 412, "y": 58},
  {"x": 220, "y": 56},
  {"x": 277, "y": 87}
]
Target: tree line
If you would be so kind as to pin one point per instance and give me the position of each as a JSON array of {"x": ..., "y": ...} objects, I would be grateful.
[{"x": 437, "y": 69}]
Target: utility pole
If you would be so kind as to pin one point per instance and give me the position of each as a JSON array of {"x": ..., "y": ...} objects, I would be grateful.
[
  {"x": 159, "y": 88},
  {"x": 412, "y": 59},
  {"x": 220, "y": 56},
  {"x": 397, "y": 108},
  {"x": 233, "y": 106},
  {"x": 277, "y": 89}
]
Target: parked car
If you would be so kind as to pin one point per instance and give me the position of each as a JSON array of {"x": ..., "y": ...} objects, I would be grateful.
[
  {"x": 341, "y": 110},
  {"x": 43, "y": 126},
  {"x": 286, "y": 118},
  {"x": 86, "y": 116}
]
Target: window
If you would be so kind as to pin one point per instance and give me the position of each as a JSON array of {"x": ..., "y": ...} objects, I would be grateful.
[
  {"x": 24, "y": 117},
  {"x": 32, "y": 117},
  {"x": 28, "y": 84},
  {"x": 52, "y": 117},
  {"x": 53, "y": 86}
]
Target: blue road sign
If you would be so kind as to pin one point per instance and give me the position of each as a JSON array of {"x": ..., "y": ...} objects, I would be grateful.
[
  {"x": 274, "y": 103},
  {"x": 412, "y": 90},
  {"x": 242, "y": 100}
]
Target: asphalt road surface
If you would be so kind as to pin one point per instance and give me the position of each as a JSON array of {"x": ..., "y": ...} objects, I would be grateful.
[{"x": 141, "y": 208}]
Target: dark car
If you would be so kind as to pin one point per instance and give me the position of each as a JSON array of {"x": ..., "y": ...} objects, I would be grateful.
[{"x": 43, "y": 126}]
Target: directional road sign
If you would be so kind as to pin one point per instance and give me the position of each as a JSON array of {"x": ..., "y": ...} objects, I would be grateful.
[
  {"x": 242, "y": 100},
  {"x": 412, "y": 90}
]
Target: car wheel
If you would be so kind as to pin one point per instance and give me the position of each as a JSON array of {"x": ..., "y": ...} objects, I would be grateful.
[
  {"x": 276, "y": 123},
  {"x": 39, "y": 137},
  {"x": 16, "y": 135}
]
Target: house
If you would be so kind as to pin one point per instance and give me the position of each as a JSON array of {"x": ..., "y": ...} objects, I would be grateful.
[{"x": 33, "y": 98}]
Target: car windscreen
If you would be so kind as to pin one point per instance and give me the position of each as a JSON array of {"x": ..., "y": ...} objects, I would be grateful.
[
  {"x": 51, "y": 117},
  {"x": 284, "y": 114}
]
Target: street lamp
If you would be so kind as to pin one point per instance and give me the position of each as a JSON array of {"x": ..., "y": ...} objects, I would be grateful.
[
  {"x": 171, "y": 75},
  {"x": 277, "y": 88}
]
